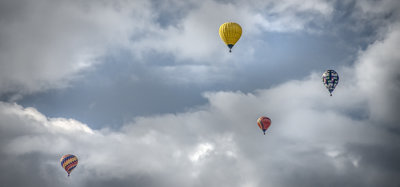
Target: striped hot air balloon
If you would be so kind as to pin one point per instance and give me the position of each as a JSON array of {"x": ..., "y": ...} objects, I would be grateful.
[
  {"x": 264, "y": 123},
  {"x": 69, "y": 162}
]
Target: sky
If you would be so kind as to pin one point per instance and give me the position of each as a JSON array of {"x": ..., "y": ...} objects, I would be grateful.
[{"x": 145, "y": 93}]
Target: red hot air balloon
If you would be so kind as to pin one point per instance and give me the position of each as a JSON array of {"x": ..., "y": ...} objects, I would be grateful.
[
  {"x": 69, "y": 162},
  {"x": 264, "y": 123}
]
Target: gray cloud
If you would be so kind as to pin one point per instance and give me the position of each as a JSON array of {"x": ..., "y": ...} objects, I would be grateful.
[
  {"x": 313, "y": 141},
  {"x": 47, "y": 44},
  {"x": 162, "y": 63}
]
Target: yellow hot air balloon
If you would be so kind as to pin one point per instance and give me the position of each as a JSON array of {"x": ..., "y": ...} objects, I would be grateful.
[{"x": 230, "y": 33}]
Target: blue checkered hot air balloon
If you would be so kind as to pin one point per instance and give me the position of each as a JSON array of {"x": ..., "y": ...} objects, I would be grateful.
[{"x": 330, "y": 78}]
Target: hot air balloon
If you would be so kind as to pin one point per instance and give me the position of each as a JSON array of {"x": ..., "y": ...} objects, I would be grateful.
[
  {"x": 230, "y": 33},
  {"x": 330, "y": 78},
  {"x": 69, "y": 162},
  {"x": 264, "y": 123}
]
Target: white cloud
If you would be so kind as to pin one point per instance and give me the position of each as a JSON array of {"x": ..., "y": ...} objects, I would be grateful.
[
  {"x": 202, "y": 150},
  {"x": 196, "y": 36},
  {"x": 378, "y": 77},
  {"x": 312, "y": 134},
  {"x": 291, "y": 16},
  {"x": 45, "y": 43},
  {"x": 311, "y": 138}
]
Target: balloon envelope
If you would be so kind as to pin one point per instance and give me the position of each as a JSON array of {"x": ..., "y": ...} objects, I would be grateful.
[
  {"x": 264, "y": 123},
  {"x": 69, "y": 162},
  {"x": 230, "y": 33},
  {"x": 330, "y": 78}
]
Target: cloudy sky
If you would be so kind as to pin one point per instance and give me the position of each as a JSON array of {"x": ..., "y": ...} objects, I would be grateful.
[{"x": 145, "y": 93}]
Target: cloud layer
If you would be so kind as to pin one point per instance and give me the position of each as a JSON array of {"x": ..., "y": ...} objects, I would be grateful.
[
  {"x": 314, "y": 139},
  {"x": 46, "y": 44}
]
